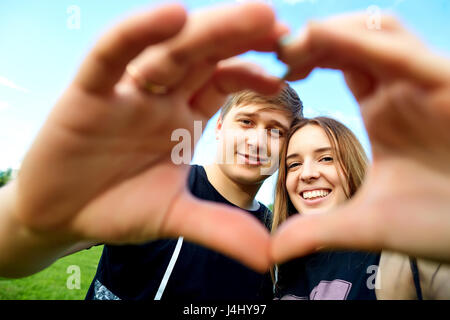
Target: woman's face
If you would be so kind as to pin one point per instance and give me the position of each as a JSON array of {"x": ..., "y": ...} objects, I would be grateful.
[{"x": 313, "y": 182}]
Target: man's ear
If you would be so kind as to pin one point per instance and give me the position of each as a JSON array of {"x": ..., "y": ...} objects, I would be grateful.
[{"x": 219, "y": 124}]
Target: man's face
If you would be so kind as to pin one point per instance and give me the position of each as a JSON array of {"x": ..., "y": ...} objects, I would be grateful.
[{"x": 250, "y": 140}]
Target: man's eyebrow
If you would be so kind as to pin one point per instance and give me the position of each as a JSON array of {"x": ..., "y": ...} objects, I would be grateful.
[
  {"x": 247, "y": 114},
  {"x": 253, "y": 115}
]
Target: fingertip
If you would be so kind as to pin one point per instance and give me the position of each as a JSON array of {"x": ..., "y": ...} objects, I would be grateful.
[
  {"x": 273, "y": 252},
  {"x": 282, "y": 29},
  {"x": 263, "y": 264},
  {"x": 286, "y": 40},
  {"x": 278, "y": 248},
  {"x": 261, "y": 10},
  {"x": 222, "y": 228},
  {"x": 256, "y": 16},
  {"x": 174, "y": 15},
  {"x": 294, "y": 238},
  {"x": 286, "y": 74},
  {"x": 174, "y": 7}
]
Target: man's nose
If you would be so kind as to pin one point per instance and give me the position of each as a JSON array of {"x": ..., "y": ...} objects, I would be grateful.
[{"x": 256, "y": 140}]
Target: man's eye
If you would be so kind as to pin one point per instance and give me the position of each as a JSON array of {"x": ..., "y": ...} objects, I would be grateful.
[{"x": 276, "y": 133}]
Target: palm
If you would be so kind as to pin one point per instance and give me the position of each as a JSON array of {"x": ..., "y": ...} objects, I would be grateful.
[
  {"x": 407, "y": 187},
  {"x": 121, "y": 161}
]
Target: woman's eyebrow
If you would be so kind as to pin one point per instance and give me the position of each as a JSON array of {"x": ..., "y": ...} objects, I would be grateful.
[
  {"x": 292, "y": 155},
  {"x": 319, "y": 150},
  {"x": 323, "y": 149}
]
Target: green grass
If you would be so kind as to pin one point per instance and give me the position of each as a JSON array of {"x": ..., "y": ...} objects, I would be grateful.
[{"x": 51, "y": 283}]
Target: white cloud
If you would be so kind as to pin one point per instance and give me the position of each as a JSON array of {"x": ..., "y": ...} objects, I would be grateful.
[
  {"x": 285, "y": 1},
  {"x": 4, "y": 105},
  {"x": 12, "y": 156},
  {"x": 299, "y": 1},
  {"x": 269, "y": 2},
  {"x": 10, "y": 84}
]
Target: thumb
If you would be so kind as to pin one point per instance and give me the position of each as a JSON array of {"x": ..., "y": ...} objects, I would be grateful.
[
  {"x": 228, "y": 230},
  {"x": 347, "y": 227}
]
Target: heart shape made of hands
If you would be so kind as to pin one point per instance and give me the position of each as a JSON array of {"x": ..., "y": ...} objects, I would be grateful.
[{"x": 109, "y": 132}]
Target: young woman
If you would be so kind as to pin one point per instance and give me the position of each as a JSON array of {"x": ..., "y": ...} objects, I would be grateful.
[{"x": 322, "y": 165}]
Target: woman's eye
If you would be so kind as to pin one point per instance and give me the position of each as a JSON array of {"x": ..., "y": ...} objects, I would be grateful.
[
  {"x": 245, "y": 122},
  {"x": 327, "y": 159},
  {"x": 293, "y": 165}
]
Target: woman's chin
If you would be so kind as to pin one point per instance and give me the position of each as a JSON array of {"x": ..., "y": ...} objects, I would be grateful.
[{"x": 313, "y": 210}]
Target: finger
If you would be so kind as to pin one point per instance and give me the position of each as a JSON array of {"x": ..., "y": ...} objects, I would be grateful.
[
  {"x": 396, "y": 225},
  {"x": 106, "y": 64},
  {"x": 306, "y": 41},
  {"x": 440, "y": 104},
  {"x": 379, "y": 52},
  {"x": 347, "y": 228},
  {"x": 299, "y": 236},
  {"x": 360, "y": 83},
  {"x": 401, "y": 118},
  {"x": 270, "y": 42},
  {"x": 198, "y": 74},
  {"x": 230, "y": 77},
  {"x": 228, "y": 230},
  {"x": 209, "y": 37}
]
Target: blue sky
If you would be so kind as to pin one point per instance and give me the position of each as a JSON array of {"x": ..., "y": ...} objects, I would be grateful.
[{"x": 40, "y": 53}]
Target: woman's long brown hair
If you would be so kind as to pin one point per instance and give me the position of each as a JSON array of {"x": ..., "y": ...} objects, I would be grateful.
[{"x": 347, "y": 150}]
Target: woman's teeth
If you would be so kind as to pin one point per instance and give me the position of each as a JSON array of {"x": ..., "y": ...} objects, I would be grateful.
[{"x": 315, "y": 194}]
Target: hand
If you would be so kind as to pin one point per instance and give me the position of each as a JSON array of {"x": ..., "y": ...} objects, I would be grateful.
[
  {"x": 100, "y": 168},
  {"x": 404, "y": 93}
]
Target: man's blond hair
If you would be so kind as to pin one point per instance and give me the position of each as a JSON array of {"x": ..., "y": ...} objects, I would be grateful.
[{"x": 287, "y": 101}]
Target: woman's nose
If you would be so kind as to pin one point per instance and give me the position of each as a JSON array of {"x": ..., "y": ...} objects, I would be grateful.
[{"x": 309, "y": 172}]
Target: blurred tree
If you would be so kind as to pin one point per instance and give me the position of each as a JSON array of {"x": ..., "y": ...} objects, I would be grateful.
[{"x": 5, "y": 176}]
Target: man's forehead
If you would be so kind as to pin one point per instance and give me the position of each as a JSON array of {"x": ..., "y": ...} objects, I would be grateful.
[{"x": 258, "y": 108}]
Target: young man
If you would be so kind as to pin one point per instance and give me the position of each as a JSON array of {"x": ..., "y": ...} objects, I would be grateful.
[{"x": 179, "y": 269}]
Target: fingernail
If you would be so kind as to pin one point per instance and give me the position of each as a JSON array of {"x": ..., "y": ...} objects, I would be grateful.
[
  {"x": 286, "y": 40},
  {"x": 286, "y": 74},
  {"x": 283, "y": 42}
]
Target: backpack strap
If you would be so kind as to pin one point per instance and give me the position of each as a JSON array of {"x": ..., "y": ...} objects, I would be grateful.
[
  {"x": 416, "y": 278},
  {"x": 169, "y": 269}
]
